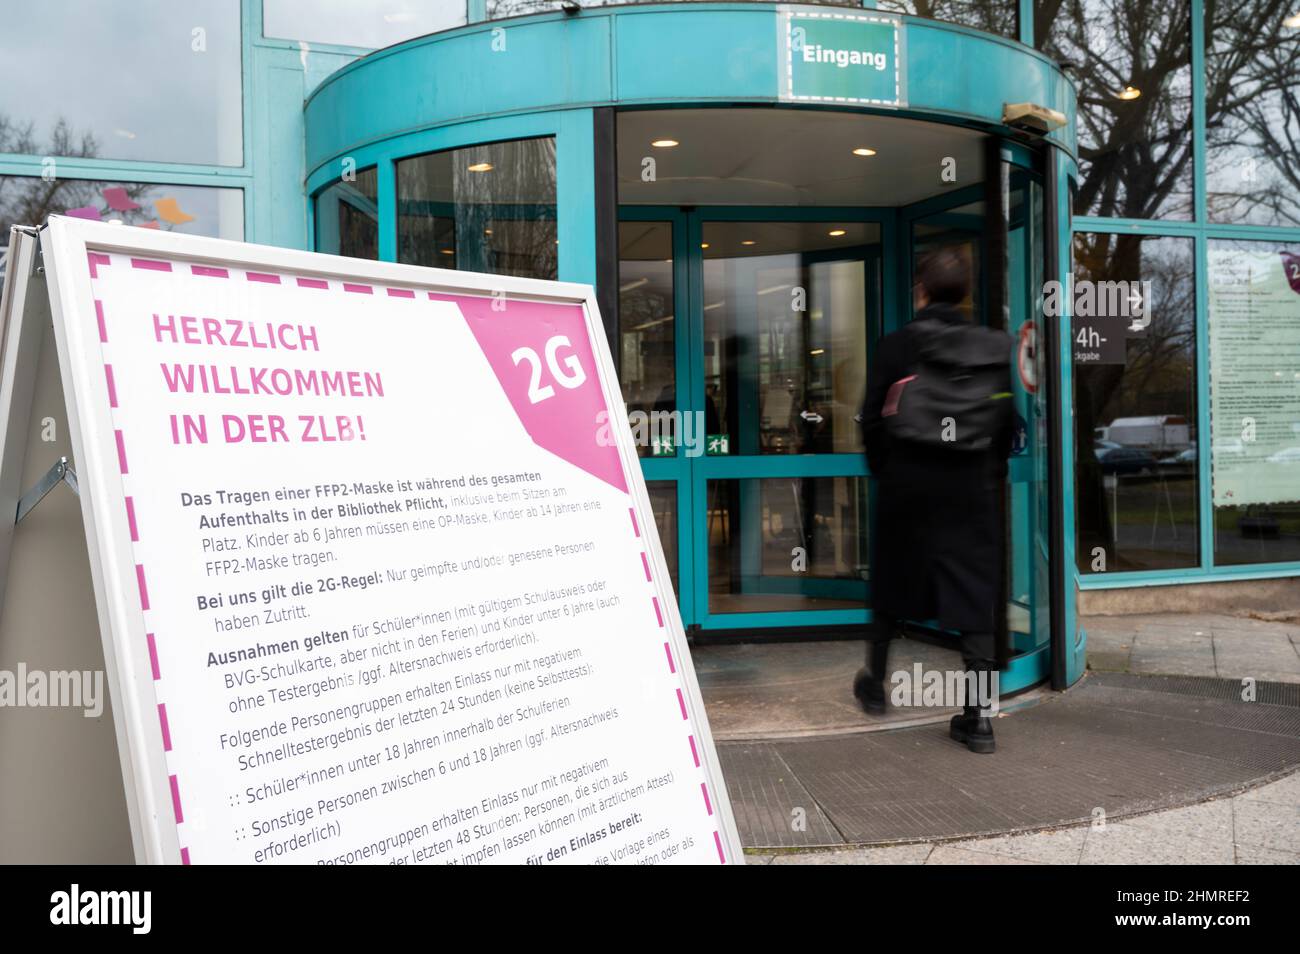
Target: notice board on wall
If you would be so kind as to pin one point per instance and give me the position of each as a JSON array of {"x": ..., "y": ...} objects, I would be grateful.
[
  {"x": 376, "y": 572},
  {"x": 1255, "y": 376}
]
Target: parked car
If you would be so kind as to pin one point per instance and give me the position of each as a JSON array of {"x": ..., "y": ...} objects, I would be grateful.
[
  {"x": 1126, "y": 461},
  {"x": 1182, "y": 462}
]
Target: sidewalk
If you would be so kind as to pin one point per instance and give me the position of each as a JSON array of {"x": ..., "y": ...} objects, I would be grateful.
[{"x": 1155, "y": 759}]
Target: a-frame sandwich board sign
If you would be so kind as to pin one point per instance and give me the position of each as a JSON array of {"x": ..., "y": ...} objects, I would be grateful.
[{"x": 376, "y": 574}]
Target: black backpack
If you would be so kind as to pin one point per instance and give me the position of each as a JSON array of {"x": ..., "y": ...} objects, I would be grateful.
[{"x": 958, "y": 395}]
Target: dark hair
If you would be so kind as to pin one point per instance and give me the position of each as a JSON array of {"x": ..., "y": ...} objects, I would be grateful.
[{"x": 944, "y": 276}]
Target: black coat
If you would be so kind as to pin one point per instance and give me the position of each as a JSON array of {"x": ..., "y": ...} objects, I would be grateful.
[{"x": 938, "y": 537}]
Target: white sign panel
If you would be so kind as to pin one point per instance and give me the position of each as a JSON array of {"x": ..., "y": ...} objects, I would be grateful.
[
  {"x": 1255, "y": 376},
  {"x": 377, "y": 572}
]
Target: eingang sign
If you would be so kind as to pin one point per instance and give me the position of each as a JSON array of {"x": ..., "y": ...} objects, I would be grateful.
[{"x": 841, "y": 58}]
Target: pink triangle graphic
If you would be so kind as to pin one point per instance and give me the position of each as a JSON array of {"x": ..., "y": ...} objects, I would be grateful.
[{"x": 565, "y": 420}]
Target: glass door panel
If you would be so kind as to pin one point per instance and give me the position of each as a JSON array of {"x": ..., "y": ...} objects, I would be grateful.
[
  {"x": 648, "y": 334},
  {"x": 785, "y": 311}
]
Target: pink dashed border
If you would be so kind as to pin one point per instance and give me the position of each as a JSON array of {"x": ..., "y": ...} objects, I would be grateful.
[
  {"x": 95, "y": 261},
  {"x": 681, "y": 698}
]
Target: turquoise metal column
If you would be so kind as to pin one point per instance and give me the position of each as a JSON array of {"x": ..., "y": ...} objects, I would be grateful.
[{"x": 1069, "y": 641}]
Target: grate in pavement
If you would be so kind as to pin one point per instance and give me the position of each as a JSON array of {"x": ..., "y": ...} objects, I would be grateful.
[{"x": 1120, "y": 744}]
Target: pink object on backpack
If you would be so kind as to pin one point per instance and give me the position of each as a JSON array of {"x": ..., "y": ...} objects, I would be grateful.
[{"x": 894, "y": 395}]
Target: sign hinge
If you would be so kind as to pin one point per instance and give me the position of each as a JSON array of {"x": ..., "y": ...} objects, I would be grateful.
[{"x": 60, "y": 473}]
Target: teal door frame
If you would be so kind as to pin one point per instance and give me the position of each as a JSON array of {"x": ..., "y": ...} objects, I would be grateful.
[{"x": 691, "y": 477}]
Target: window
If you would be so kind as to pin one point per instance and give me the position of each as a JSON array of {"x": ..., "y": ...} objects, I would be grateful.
[
  {"x": 1252, "y": 113},
  {"x": 646, "y": 330},
  {"x": 515, "y": 8},
  {"x": 787, "y": 544},
  {"x": 485, "y": 208},
  {"x": 29, "y": 200},
  {"x": 366, "y": 23},
  {"x": 786, "y": 312},
  {"x": 1132, "y": 63},
  {"x": 992, "y": 16},
  {"x": 1136, "y": 480},
  {"x": 347, "y": 217},
  {"x": 123, "y": 79},
  {"x": 1254, "y": 292}
]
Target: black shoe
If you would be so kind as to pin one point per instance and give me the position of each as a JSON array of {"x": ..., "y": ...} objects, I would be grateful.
[
  {"x": 972, "y": 730},
  {"x": 869, "y": 692}
]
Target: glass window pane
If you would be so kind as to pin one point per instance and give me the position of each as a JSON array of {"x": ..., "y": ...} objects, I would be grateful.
[
  {"x": 1252, "y": 114},
  {"x": 1136, "y": 483},
  {"x": 960, "y": 230},
  {"x": 1132, "y": 63},
  {"x": 787, "y": 544},
  {"x": 123, "y": 79},
  {"x": 663, "y": 501},
  {"x": 514, "y": 8},
  {"x": 1255, "y": 400},
  {"x": 992, "y": 16},
  {"x": 347, "y": 217},
  {"x": 484, "y": 208},
  {"x": 191, "y": 210},
  {"x": 366, "y": 23},
  {"x": 646, "y": 330},
  {"x": 785, "y": 334}
]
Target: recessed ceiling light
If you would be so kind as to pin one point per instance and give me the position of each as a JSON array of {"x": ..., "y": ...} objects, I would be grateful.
[
  {"x": 1128, "y": 92},
  {"x": 864, "y": 151},
  {"x": 487, "y": 231},
  {"x": 664, "y": 143},
  {"x": 817, "y": 351},
  {"x": 448, "y": 251},
  {"x": 481, "y": 167},
  {"x": 836, "y": 233},
  {"x": 704, "y": 245},
  {"x": 747, "y": 242}
]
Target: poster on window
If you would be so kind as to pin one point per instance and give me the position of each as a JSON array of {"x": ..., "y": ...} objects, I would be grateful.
[{"x": 1255, "y": 376}]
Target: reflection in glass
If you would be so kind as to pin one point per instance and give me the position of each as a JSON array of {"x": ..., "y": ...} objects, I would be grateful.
[
  {"x": 191, "y": 210},
  {"x": 787, "y": 544},
  {"x": 1252, "y": 113},
  {"x": 1136, "y": 482},
  {"x": 368, "y": 23},
  {"x": 347, "y": 217},
  {"x": 1254, "y": 306},
  {"x": 961, "y": 230},
  {"x": 484, "y": 208},
  {"x": 663, "y": 501},
  {"x": 1132, "y": 62},
  {"x": 645, "y": 309},
  {"x": 992, "y": 16},
  {"x": 151, "y": 80},
  {"x": 785, "y": 334},
  {"x": 515, "y": 8}
]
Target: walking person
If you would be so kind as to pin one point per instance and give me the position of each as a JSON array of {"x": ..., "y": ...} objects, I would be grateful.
[{"x": 938, "y": 427}]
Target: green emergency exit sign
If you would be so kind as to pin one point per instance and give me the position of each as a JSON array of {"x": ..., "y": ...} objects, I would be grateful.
[{"x": 842, "y": 58}]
